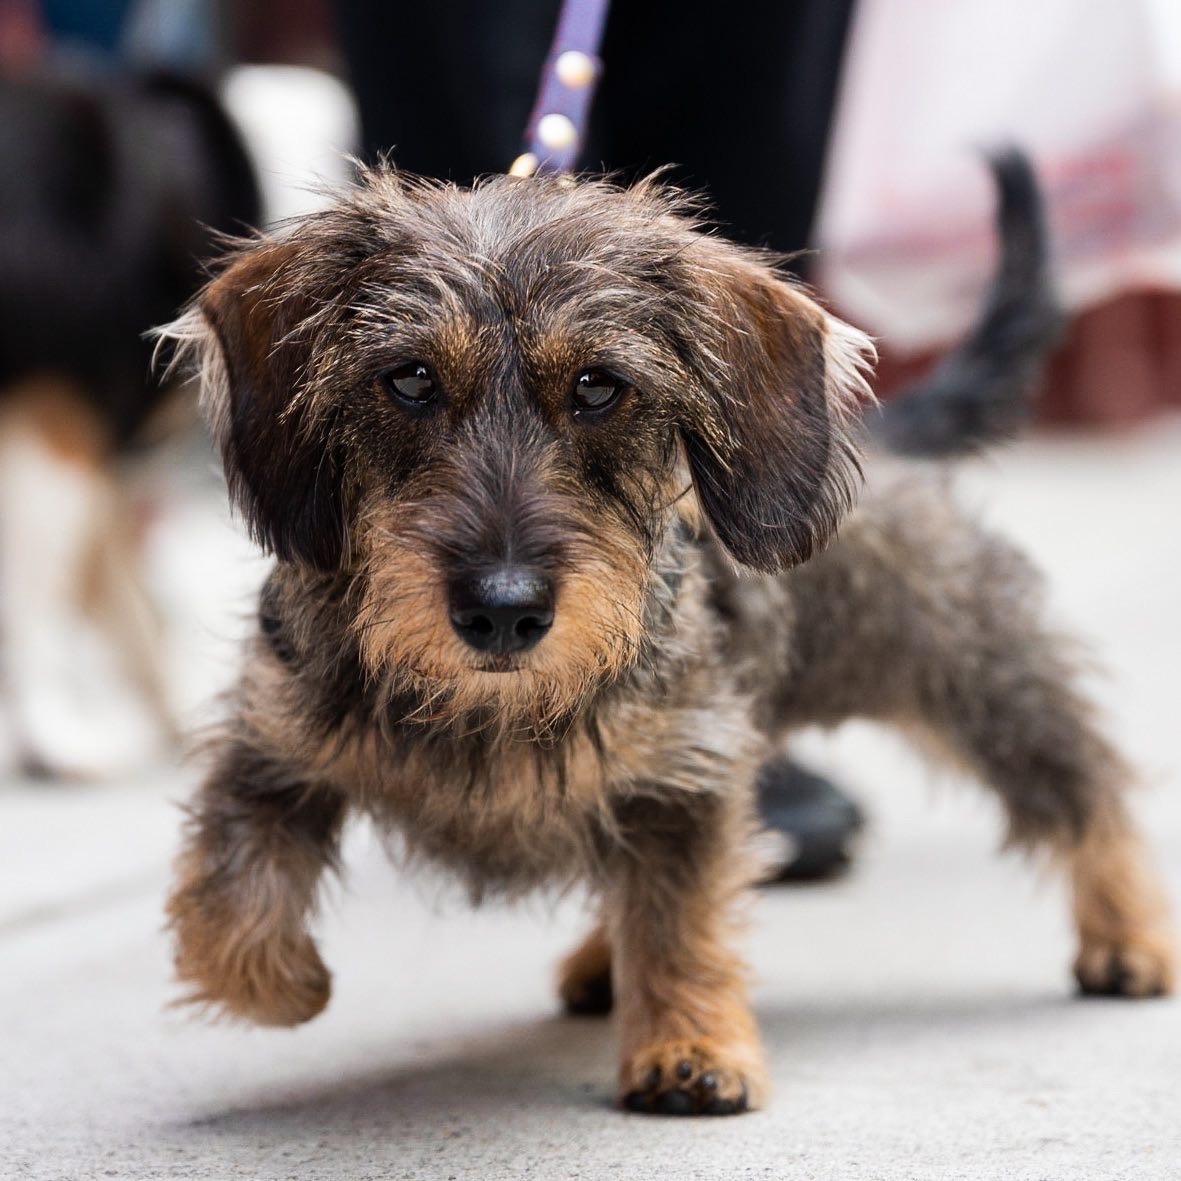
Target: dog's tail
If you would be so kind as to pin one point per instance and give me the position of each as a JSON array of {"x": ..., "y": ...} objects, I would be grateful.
[{"x": 980, "y": 393}]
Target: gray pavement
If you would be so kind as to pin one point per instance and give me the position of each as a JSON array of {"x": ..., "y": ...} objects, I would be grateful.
[{"x": 918, "y": 1014}]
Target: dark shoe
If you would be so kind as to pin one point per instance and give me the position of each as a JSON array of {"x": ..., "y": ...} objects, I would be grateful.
[{"x": 818, "y": 823}]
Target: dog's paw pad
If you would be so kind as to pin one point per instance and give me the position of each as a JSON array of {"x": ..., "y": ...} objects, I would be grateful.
[
  {"x": 1141, "y": 969},
  {"x": 684, "y": 1078}
]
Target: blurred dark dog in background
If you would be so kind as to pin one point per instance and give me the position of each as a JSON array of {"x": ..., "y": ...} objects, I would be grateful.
[{"x": 111, "y": 192}]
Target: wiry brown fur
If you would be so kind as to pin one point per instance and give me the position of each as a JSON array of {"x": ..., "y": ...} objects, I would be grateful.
[{"x": 622, "y": 750}]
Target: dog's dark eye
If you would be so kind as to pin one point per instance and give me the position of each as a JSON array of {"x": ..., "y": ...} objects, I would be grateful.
[
  {"x": 412, "y": 384},
  {"x": 595, "y": 392}
]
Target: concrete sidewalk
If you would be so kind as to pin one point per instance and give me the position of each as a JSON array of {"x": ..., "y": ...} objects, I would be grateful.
[{"x": 918, "y": 1015}]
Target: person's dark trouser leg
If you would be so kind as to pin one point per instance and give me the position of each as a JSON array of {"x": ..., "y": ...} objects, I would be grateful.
[
  {"x": 445, "y": 87},
  {"x": 739, "y": 97}
]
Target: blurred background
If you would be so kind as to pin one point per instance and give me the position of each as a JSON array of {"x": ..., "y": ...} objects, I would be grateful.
[{"x": 134, "y": 132}]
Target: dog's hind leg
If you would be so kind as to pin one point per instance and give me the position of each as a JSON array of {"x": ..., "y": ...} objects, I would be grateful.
[
  {"x": 1126, "y": 944},
  {"x": 925, "y": 620},
  {"x": 259, "y": 838},
  {"x": 1012, "y": 715},
  {"x": 584, "y": 976}
]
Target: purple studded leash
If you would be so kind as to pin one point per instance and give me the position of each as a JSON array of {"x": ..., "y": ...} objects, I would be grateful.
[{"x": 557, "y": 126}]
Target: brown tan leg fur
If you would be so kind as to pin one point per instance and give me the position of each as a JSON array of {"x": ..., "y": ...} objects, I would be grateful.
[
  {"x": 247, "y": 879},
  {"x": 1126, "y": 943},
  {"x": 688, "y": 1040}
]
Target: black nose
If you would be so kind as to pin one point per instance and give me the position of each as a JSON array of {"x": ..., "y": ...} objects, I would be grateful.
[{"x": 505, "y": 611}]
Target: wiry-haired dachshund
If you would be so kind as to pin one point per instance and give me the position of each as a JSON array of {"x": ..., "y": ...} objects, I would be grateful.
[{"x": 554, "y": 479}]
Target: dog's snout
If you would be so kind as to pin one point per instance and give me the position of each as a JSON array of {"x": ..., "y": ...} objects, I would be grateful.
[{"x": 505, "y": 611}]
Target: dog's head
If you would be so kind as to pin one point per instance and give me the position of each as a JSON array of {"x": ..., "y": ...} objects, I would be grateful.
[{"x": 485, "y": 403}]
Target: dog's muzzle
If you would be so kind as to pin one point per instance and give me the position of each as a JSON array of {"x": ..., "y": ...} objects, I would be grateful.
[{"x": 506, "y": 610}]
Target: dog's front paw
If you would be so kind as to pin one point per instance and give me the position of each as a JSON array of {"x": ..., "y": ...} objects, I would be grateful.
[
  {"x": 231, "y": 968},
  {"x": 1141, "y": 965},
  {"x": 264, "y": 984},
  {"x": 695, "y": 1077}
]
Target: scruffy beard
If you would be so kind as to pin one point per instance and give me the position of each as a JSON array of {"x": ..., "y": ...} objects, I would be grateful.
[{"x": 412, "y": 653}]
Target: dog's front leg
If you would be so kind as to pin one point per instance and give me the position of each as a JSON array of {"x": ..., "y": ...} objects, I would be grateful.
[
  {"x": 258, "y": 841},
  {"x": 689, "y": 1041}
]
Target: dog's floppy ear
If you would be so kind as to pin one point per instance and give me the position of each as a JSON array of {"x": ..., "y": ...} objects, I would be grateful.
[
  {"x": 768, "y": 442},
  {"x": 248, "y": 331}
]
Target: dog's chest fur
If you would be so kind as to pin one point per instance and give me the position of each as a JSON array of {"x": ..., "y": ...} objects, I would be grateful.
[{"x": 508, "y": 810}]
